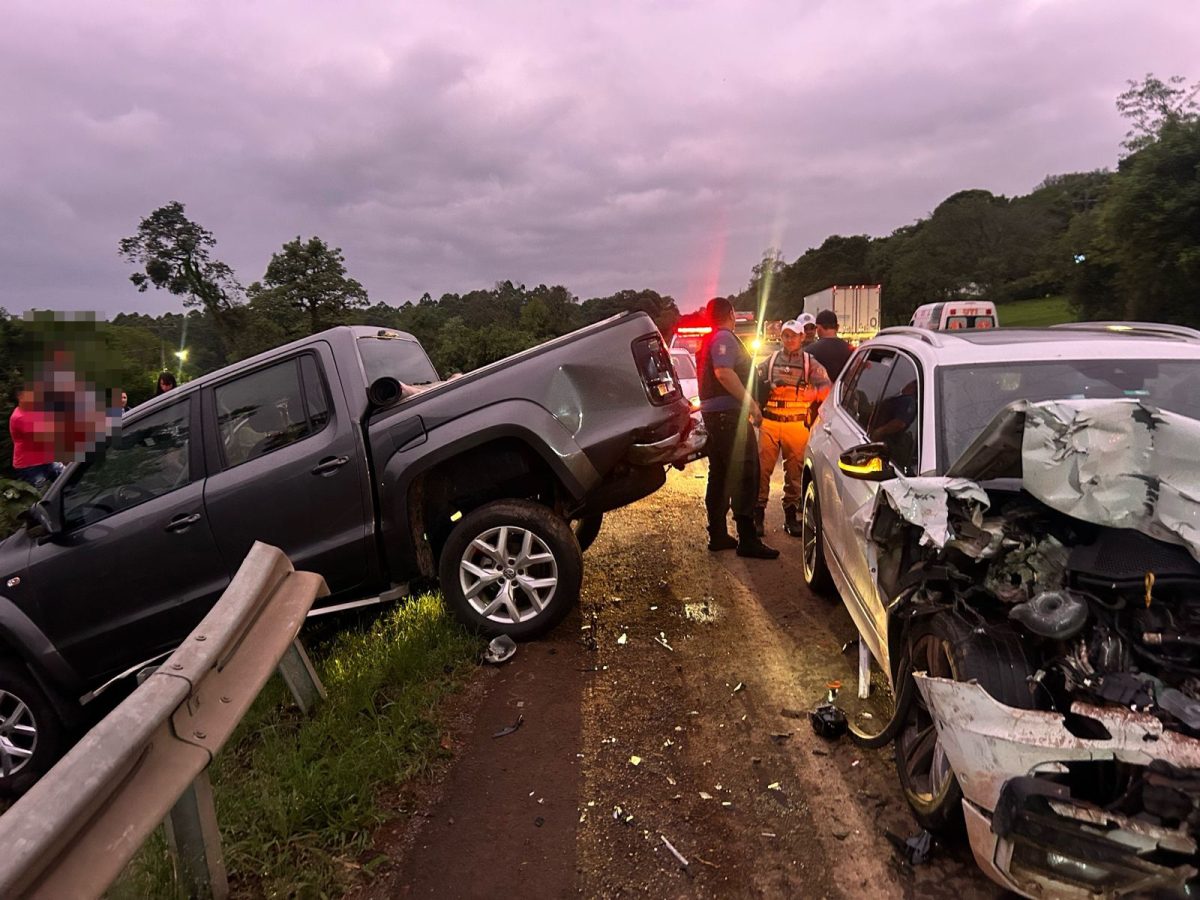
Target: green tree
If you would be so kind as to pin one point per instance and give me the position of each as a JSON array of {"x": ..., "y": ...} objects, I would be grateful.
[
  {"x": 310, "y": 278},
  {"x": 1151, "y": 220},
  {"x": 174, "y": 253},
  {"x": 1151, "y": 104}
]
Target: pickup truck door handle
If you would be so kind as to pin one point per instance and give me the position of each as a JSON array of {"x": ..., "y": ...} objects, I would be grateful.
[
  {"x": 827, "y": 428},
  {"x": 326, "y": 466},
  {"x": 179, "y": 523}
]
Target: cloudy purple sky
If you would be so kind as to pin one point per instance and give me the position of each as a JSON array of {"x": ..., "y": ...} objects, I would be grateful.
[{"x": 601, "y": 146}]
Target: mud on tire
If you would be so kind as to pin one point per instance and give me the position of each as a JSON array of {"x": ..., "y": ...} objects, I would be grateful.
[
  {"x": 511, "y": 567},
  {"x": 946, "y": 646}
]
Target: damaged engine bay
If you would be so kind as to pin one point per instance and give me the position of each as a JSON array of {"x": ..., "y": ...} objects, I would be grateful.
[{"x": 1068, "y": 531}]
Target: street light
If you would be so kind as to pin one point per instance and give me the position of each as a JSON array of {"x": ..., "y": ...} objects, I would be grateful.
[{"x": 182, "y": 356}]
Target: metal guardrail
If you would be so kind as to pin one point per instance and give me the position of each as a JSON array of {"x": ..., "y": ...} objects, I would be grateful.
[{"x": 74, "y": 832}]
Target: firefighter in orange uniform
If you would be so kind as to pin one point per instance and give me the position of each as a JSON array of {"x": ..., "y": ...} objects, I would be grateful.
[{"x": 790, "y": 383}]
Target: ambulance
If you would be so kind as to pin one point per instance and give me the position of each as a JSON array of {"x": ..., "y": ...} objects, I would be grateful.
[{"x": 954, "y": 315}]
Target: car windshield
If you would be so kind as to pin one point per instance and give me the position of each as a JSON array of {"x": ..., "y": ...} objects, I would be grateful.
[
  {"x": 970, "y": 396},
  {"x": 684, "y": 366},
  {"x": 399, "y": 358}
]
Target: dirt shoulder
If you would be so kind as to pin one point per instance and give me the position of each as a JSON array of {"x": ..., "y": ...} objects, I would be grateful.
[{"x": 676, "y": 731}]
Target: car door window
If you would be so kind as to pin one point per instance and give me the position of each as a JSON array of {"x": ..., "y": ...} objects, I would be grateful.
[
  {"x": 846, "y": 386},
  {"x": 145, "y": 459},
  {"x": 863, "y": 395},
  {"x": 895, "y": 420},
  {"x": 267, "y": 410}
]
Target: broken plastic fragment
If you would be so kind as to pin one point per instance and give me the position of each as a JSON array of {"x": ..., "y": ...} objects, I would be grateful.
[
  {"x": 739, "y": 687},
  {"x": 500, "y": 650},
  {"x": 774, "y": 786},
  {"x": 623, "y": 638},
  {"x": 635, "y": 760},
  {"x": 704, "y": 795}
]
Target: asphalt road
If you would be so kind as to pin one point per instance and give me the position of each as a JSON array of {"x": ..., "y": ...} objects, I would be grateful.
[{"x": 656, "y": 715}]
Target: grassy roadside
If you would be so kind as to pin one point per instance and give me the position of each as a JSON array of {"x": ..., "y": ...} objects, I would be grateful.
[
  {"x": 297, "y": 798},
  {"x": 1034, "y": 313}
]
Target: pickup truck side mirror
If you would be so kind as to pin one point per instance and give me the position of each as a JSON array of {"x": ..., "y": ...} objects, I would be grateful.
[
  {"x": 867, "y": 462},
  {"x": 45, "y": 514}
]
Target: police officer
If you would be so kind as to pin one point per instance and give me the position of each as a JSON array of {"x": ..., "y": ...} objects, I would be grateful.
[
  {"x": 724, "y": 367},
  {"x": 789, "y": 382}
]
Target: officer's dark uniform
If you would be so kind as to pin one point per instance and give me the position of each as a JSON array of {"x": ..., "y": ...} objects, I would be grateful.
[{"x": 732, "y": 445}]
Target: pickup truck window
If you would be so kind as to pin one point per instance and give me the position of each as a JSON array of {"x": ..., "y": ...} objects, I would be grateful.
[
  {"x": 398, "y": 358},
  {"x": 268, "y": 409},
  {"x": 145, "y": 460}
]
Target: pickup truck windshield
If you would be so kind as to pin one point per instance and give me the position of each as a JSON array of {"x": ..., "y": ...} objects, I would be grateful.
[
  {"x": 970, "y": 396},
  {"x": 399, "y": 358}
]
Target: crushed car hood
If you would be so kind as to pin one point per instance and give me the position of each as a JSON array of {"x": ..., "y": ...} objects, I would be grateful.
[{"x": 1117, "y": 463}]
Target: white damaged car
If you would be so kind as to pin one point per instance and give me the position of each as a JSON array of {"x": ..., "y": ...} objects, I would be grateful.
[{"x": 1012, "y": 519}]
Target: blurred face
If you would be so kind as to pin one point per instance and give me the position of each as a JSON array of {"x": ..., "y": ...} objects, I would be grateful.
[
  {"x": 791, "y": 341},
  {"x": 163, "y": 384},
  {"x": 810, "y": 333},
  {"x": 124, "y": 399}
]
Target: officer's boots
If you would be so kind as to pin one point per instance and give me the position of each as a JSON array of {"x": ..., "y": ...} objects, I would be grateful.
[
  {"x": 749, "y": 543},
  {"x": 791, "y": 521}
]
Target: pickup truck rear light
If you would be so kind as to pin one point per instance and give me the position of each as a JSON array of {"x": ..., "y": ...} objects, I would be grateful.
[{"x": 656, "y": 369}]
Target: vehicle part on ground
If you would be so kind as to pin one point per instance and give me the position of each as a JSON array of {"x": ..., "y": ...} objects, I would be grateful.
[
  {"x": 816, "y": 572},
  {"x": 31, "y": 735},
  {"x": 511, "y": 567},
  {"x": 828, "y": 721},
  {"x": 500, "y": 650},
  {"x": 587, "y": 529},
  {"x": 944, "y": 645}
]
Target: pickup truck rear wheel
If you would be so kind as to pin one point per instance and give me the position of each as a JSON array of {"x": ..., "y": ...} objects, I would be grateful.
[
  {"x": 511, "y": 567},
  {"x": 31, "y": 735},
  {"x": 587, "y": 529}
]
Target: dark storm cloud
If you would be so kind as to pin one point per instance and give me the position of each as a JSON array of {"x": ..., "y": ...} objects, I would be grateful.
[{"x": 636, "y": 145}]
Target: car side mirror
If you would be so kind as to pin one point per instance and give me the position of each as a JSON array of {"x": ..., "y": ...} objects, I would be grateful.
[{"x": 867, "y": 462}]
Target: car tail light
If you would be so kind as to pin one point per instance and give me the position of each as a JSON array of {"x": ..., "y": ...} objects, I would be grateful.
[{"x": 658, "y": 372}]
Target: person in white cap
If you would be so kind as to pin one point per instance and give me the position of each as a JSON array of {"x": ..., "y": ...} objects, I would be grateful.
[
  {"x": 808, "y": 322},
  {"x": 788, "y": 383}
]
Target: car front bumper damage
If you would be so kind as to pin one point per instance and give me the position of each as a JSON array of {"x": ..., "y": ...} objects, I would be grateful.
[{"x": 1030, "y": 834}]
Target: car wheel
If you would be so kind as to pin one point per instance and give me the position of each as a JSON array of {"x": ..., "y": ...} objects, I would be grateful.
[
  {"x": 812, "y": 542},
  {"x": 586, "y": 529},
  {"x": 31, "y": 735},
  {"x": 945, "y": 646},
  {"x": 511, "y": 567}
]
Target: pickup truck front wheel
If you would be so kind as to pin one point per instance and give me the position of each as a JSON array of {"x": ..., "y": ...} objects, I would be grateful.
[{"x": 511, "y": 567}]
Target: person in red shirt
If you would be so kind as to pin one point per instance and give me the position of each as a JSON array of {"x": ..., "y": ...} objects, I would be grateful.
[{"x": 33, "y": 442}]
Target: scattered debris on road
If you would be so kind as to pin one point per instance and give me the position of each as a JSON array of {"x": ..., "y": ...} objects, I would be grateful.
[
  {"x": 503, "y": 732},
  {"x": 500, "y": 650},
  {"x": 916, "y": 849},
  {"x": 679, "y": 856},
  {"x": 623, "y": 639}
]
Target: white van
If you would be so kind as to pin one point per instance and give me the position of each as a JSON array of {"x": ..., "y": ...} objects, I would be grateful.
[{"x": 955, "y": 314}]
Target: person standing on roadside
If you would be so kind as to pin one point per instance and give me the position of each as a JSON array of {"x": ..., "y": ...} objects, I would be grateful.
[
  {"x": 32, "y": 431},
  {"x": 729, "y": 411},
  {"x": 789, "y": 382},
  {"x": 829, "y": 349},
  {"x": 166, "y": 382}
]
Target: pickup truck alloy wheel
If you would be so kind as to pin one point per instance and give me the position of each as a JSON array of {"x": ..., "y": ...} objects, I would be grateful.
[
  {"x": 30, "y": 733},
  {"x": 511, "y": 567}
]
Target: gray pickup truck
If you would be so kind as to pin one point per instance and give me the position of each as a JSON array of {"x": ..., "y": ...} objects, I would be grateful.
[{"x": 346, "y": 451}]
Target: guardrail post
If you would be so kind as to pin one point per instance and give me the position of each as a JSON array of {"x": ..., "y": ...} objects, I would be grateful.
[
  {"x": 195, "y": 842},
  {"x": 300, "y": 676}
]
